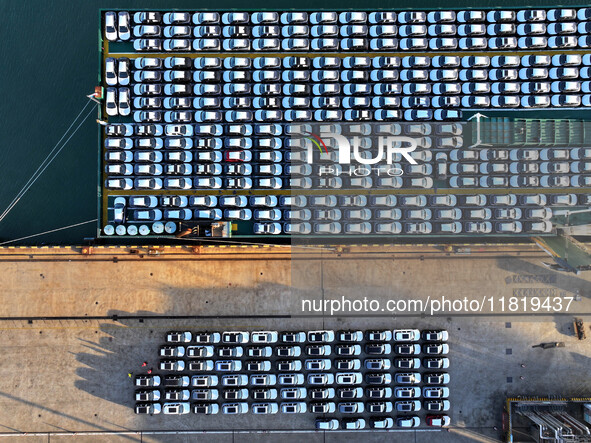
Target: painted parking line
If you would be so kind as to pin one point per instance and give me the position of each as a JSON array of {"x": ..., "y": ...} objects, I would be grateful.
[
  {"x": 344, "y": 54},
  {"x": 136, "y": 434},
  {"x": 411, "y": 191}
]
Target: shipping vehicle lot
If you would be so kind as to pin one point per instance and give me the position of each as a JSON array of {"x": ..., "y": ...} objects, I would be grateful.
[
  {"x": 94, "y": 370},
  {"x": 370, "y": 200},
  {"x": 324, "y": 372},
  {"x": 205, "y": 116},
  {"x": 93, "y": 357}
]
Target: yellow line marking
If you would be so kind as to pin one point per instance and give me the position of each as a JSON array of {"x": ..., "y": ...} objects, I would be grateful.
[
  {"x": 519, "y": 52},
  {"x": 382, "y": 191}
]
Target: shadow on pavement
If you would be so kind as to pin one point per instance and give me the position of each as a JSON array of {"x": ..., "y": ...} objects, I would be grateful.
[{"x": 562, "y": 281}]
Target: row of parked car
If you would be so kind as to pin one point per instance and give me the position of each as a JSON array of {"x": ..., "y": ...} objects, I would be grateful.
[
  {"x": 286, "y": 130},
  {"x": 404, "y": 421},
  {"x": 359, "y": 30},
  {"x": 476, "y": 85},
  {"x": 503, "y": 218},
  {"x": 522, "y": 181},
  {"x": 298, "y": 150},
  {"x": 331, "y": 75},
  {"x": 147, "y": 182},
  {"x": 180, "y": 110},
  {"x": 555, "y": 94},
  {"x": 275, "y": 382},
  {"x": 263, "y": 227},
  {"x": 291, "y": 376},
  {"x": 527, "y": 81},
  {"x": 150, "y": 180},
  {"x": 421, "y": 154},
  {"x": 299, "y": 221},
  {"x": 320, "y": 386},
  {"x": 138, "y": 152},
  {"x": 334, "y": 31},
  {"x": 261, "y": 377},
  {"x": 381, "y": 422},
  {"x": 292, "y": 115},
  {"x": 466, "y": 202},
  {"x": 438, "y": 108},
  {"x": 260, "y": 66},
  {"x": 470, "y": 214},
  {"x": 332, "y": 424},
  {"x": 228, "y": 350},
  {"x": 520, "y": 167},
  {"x": 365, "y": 214},
  {"x": 323, "y": 175},
  {"x": 376, "y": 396},
  {"x": 173, "y": 167},
  {"x": 356, "y": 18},
  {"x": 408, "y": 228},
  {"x": 539, "y": 159},
  {"x": 299, "y": 407},
  {"x": 384, "y": 43},
  {"x": 538, "y": 94},
  {"x": 144, "y": 162},
  {"x": 275, "y": 136},
  {"x": 474, "y": 221},
  {"x": 320, "y": 336},
  {"x": 240, "y": 26},
  {"x": 269, "y": 213}
]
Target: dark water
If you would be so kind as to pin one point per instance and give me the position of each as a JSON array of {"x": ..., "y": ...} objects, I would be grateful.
[{"x": 48, "y": 64}]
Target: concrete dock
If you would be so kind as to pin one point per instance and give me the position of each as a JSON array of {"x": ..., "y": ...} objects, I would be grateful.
[{"x": 74, "y": 325}]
